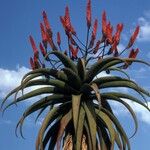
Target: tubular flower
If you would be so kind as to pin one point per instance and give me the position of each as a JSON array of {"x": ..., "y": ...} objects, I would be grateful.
[
  {"x": 67, "y": 19},
  {"x": 43, "y": 33},
  {"x": 113, "y": 48},
  {"x": 58, "y": 38},
  {"x": 133, "y": 37},
  {"x": 46, "y": 23},
  {"x": 35, "y": 50},
  {"x": 67, "y": 23},
  {"x": 32, "y": 63},
  {"x": 36, "y": 62},
  {"x": 109, "y": 30},
  {"x": 95, "y": 29},
  {"x": 51, "y": 43},
  {"x": 43, "y": 51},
  {"x": 116, "y": 39},
  {"x": 74, "y": 51},
  {"x": 133, "y": 53},
  {"x": 88, "y": 14},
  {"x": 104, "y": 23}
]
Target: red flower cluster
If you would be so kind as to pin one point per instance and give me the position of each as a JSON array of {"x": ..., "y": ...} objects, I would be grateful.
[
  {"x": 67, "y": 23},
  {"x": 88, "y": 14},
  {"x": 106, "y": 45},
  {"x": 133, "y": 37},
  {"x": 133, "y": 53}
]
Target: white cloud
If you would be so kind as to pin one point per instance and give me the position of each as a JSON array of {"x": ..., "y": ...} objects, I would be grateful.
[
  {"x": 10, "y": 79},
  {"x": 144, "y": 23},
  {"x": 121, "y": 47}
]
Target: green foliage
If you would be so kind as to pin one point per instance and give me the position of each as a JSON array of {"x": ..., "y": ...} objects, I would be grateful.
[{"x": 78, "y": 104}]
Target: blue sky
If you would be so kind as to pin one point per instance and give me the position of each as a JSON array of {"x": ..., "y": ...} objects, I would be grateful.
[{"x": 20, "y": 18}]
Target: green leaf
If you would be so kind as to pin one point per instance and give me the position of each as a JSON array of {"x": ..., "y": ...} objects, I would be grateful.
[
  {"x": 45, "y": 90},
  {"x": 101, "y": 65},
  {"x": 126, "y": 96},
  {"x": 51, "y": 82},
  {"x": 89, "y": 141},
  {"x": 81, "y": 68},
  {"x": 80, "y": 126},
  {"x": 109, "y": 125},
  {"x": 97, "y": 93},
  {"x": 103, "y": 138},
  {"x": 63, "y": 123},
  {"x": 73, "y": 79},
  {"x": 39, "y": 113},
  {"x": 112, "y": 97},
  {"x": 101, "y": 80},
  {"x": 92, "y": 125},
  {"x": 50, "y": 117},
  {"x": 8, "y": 95},
  {"x": 75, "y": 109},
  {"x": 40, "y": 71},
  {"x": 67, "y": 62},
  {"x": 52, "y": 131},
  {"x": 118, "y": 141},
  {"x": 46, "y": 73},
  {"x": 128, "y": 84},
  {"x": 119, "y": 70},
  {"x": 36, "y": 106},
  {"x": 119, "y": 128}
]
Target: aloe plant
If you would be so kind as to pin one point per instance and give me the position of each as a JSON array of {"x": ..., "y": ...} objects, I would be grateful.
[{"x": 75, "y": 97}]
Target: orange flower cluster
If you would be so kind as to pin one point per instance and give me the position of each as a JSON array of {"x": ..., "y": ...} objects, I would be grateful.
[{"x": 93, "y": 48}]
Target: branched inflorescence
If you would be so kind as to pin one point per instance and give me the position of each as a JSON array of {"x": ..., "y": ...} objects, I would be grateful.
[{"x": 93, "y": 48}]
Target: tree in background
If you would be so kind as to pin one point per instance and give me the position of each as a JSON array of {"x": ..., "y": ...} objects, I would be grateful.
[{"x": 76, "y": 97}]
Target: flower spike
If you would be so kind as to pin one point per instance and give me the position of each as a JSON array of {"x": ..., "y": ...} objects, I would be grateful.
[
  {"x": 104, "y": 22},
  {"x": 133, "y": 53},
  {"x": 43, "y": 33},
  {"x": 109, "y": 30},
  {"x": 88, "y": 14},
  {"x": 35, "y": 50},
  {"x": 36, "y": 62},
  {"x": 43, "y": 51},
  {"x": 67, "y": 19},
  {"x": 46, "y": 23},
  {"x": 133, "y": 37},
  {"x": 74, "y": 51},
  {"x": 95, "y": 29}
]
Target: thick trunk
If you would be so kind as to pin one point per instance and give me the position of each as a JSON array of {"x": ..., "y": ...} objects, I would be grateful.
[{"x": 68, "y": 145}]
